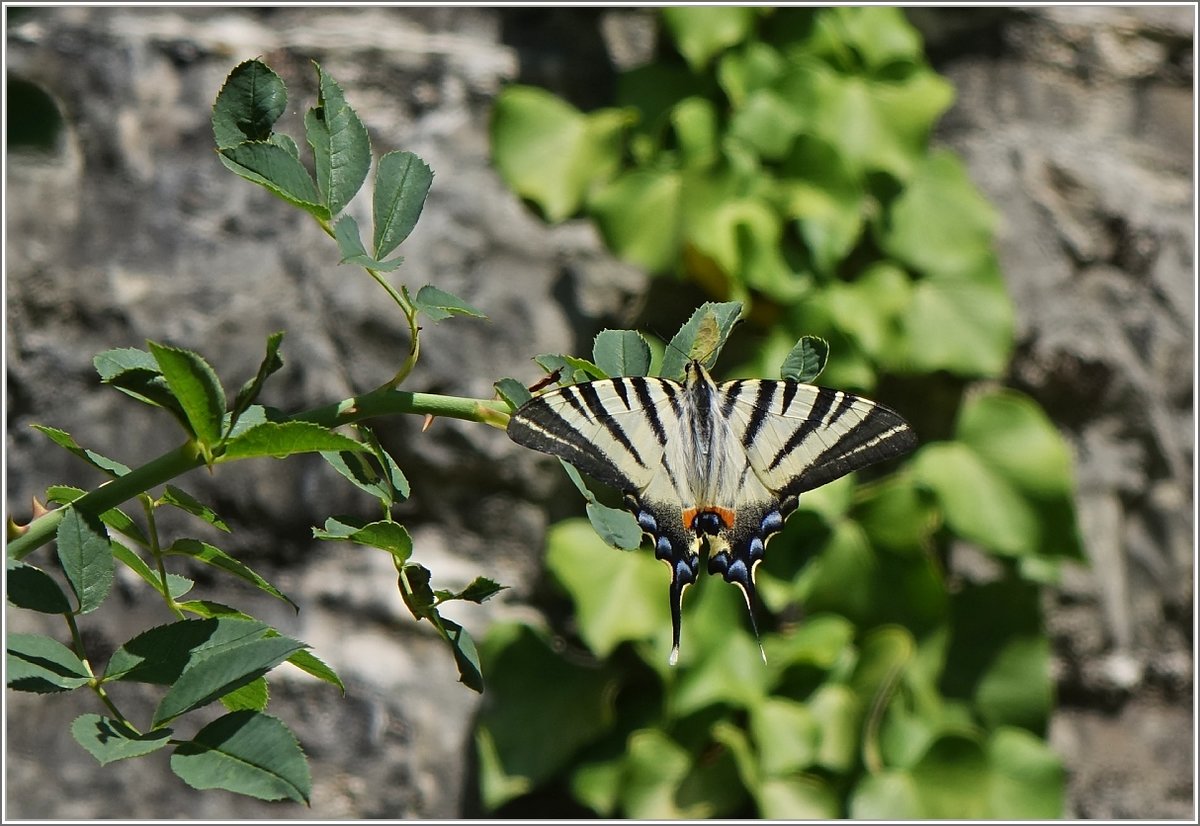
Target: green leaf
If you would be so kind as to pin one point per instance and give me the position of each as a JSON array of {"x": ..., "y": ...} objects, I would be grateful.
[
  {"x": 767, "y": 123},
  {"x": 197, "y": 388},
  {"x": 390, "y": 536},
  {"x": 888, "y": 795},
  {"x": 211, "y": 555},
  {"x": 786, "y": 735},
  {"x": 186, "y": 502},
  {"x": 941, "y": 195},
  {"x": 551, "y": 153},
  {"x": 952, "y": 779},
  {"x": 281, "y": 439},
  {"x": 160, "y": 654},
  {"x": 530, "y": 729},
  {"x": 135, "y": 373},
  {"x": 681, "y": 348},
  {"x": 340, "y": 144},
  {"x": 63, "y": 439},
  {"x": 416, "y": 591},
  {"x": 640, "y": 215},
  {"x": 438, "y": 304},
  {"x": 87, "y": 559},
  {"x": 245, "y": 752},
  {"x": 215, "y": 674},
  {"x": 512, "y": 392},
  {"x": 250, "y": 390},
  {"x": 34, "y": 589},
  {"x": 279, "y": 171},
  {"x": 617, "y": 597},
  {"x": 109, "y": 740},
  {"x": 479, "y": 590},
  {"x": 402, "y": 183},
  {"x": 42, "y": 665},
  {"x": 363, "y": 474},
  {"x": 826, "y": 200},
  {"x": 616, "y": 527},
  {"x": 840, "y": 715},
  {"x": 700, "y": 33},
  {"x": 466, "y": 658},
  {"x": 310, "y": 663},
  {"x": 248, "y": 105},
  {"x": 253, "y": 696},
  {"x": 655, "y": 768},
  {"x": 572, "y": 370},
  {"x": 797, "y": 797},
  {"x": 177, "y": 585},
  {"x": 879, "y": 35},
  {"x": 114, "y": 518},
  {"x": 806, "y": 360},
  {"x": 622, "y": 353},
  {"x": 1027, "y": 777}
]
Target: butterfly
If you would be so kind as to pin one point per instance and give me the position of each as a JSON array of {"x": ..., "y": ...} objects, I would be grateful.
[{"x": 701, "y": 463}]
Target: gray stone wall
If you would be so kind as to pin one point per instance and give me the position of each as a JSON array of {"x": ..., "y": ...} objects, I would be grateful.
[{"x": 1076, "y": 122}]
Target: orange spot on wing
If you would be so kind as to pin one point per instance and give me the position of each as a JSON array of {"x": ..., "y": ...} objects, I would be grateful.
[{"x": 724, "y": 514}]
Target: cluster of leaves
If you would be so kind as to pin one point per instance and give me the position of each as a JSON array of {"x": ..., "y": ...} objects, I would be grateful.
[
  {"x": 212, "y": 652},
  {"x": 780, "y": 157}
]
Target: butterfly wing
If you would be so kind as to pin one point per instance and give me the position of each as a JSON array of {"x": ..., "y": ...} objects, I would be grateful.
[
  {"x": 795, "y": 437},
  {"x": 624, "y": 433}
]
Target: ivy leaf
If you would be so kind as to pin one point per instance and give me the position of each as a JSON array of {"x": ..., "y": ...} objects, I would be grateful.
[{"x": 701, "y": 33}]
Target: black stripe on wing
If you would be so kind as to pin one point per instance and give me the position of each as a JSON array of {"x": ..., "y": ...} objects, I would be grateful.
[
  {"x": 881, "y": 434},
  {"x": 539, "y": 426}
]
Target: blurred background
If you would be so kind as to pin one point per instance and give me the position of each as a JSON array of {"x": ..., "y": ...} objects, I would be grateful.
[{"x": 1076, "y": 124}]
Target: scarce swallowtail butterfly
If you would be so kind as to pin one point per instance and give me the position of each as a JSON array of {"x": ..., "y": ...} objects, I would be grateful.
[{"x": 707, "y": 463}]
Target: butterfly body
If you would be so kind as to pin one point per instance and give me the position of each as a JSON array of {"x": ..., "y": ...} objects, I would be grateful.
[{"x": 702, "y": 463}]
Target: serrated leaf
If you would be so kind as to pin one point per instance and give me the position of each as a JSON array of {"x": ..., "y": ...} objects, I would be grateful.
[
  {"x": 280, "y": 439},
  {"x": 414, "y": 586},
  {"x": 186, "y": 502},
  {"x": 253, "y": 696},
  {"x": 571, "y": 368},
  {"x": 512, "y": 392},
  {"x": 806, "y": 360},
  {"x": 136, "y": 374},
  {"x": 340, "y": 144},
  {"x": 32, "y": 588},
  {"x": 211, "y": 555},
  {"x": 389, "y": 536},
  {"x": 350, "y": 245},
  {"x": 214, "y": 674},
  {"x": 114, "y": 518},
  {"x": 466, "y": 657},
  {"x": 402, "y": 183},
  {"x": 63, "y": 439},
  {"x": 177, "y": 585},
  {"x": 273, "y": 167},
  {"x": 480, "y": 590},
  {"x": 616, "y": 527},
  {"x": 680, "y": 350},
  {"x": 160, "y": 654},
  {"x": 309, "y": 663},
  {"x": 251, "y": 100},
  {"x": 622, "y": 353},
  {"x": 42, "y": 665},
  {"x": 87, "y": 559},
  {"x": 209, "y": 609},
  {"x": 245, "y": 752},
  {"x": 109, "y": 740},
  {"x": 195, "y": 385},
  {"x": 249, "y": 391},
  {"x": 438, "y": 304}
]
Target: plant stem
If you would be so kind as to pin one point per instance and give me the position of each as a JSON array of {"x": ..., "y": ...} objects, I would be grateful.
[{"x": 381, "y": 402}]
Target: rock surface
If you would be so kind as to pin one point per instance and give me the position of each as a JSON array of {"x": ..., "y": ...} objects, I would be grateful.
[{"x": 1075, "y": 122}]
